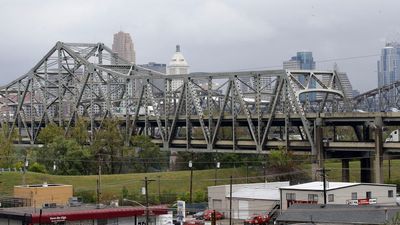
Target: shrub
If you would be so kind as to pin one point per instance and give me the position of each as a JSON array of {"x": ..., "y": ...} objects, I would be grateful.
[{"x": 37, "y": 167}]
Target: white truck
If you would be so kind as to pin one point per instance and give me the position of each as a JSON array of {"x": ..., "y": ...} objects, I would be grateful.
[{"x": 394, "y": 136}]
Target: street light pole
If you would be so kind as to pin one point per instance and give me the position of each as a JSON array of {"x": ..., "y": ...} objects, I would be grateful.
[
  {"x": 191, "y": 180},
  {"x": 217, "y": 165}
]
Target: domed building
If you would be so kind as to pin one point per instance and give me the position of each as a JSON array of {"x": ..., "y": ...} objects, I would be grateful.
[{"x": 177, "y": 65}]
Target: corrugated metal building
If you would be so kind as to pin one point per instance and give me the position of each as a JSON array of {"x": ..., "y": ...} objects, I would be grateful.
[
  {"x": 338, "y": 193},
  {"x": 247, "y": 199}
]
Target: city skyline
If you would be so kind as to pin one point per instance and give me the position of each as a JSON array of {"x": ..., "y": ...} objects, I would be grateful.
[{"x": 218, "y": 36}]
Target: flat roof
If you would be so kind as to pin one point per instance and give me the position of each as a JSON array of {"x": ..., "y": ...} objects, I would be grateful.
[
  {"x": 84, "y": 212},
  {"x": 262, "y": 191},
  {"x": 319, "y": 185},
  {"x": 42, "y": 185},
  {"x": 338, "y": 214}
]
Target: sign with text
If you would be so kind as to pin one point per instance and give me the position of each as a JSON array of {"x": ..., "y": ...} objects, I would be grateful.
[{"x": 181, "y": 211}]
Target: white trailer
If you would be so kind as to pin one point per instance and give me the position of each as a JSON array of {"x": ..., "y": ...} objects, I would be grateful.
[{"x": 394, "y": 136}]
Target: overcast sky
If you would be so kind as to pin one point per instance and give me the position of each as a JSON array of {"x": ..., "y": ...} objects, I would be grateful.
[{"x": 214, "y": 35}]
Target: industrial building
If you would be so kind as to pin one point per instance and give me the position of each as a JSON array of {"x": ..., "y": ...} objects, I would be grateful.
[
  {"x": 247, "y": 199},
  {"x": 338, "y": 193},
  {"x": 40, "y": 195},
  {"x": 337, "y": 214}
]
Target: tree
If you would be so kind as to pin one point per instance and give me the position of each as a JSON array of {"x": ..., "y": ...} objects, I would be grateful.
[
  {"x": 108, "y": 146},
  {"x": 147, "y": 152},
  {"x": 281, "y": 162},
  {"x": 6, "y": 147},
  {"x": 80, "y": 132},
  {"x": 49, "y": 133},
  {"x": 68, "y": 157}
]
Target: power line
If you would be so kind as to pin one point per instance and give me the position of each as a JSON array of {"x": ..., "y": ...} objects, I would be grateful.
[{"x": 317, "y": 61}]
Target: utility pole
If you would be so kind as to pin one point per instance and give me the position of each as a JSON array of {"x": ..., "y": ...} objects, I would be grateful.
[
  {"x": 146, "y": 182},
  {"x": 230, "y": 202},
  {"x": 147, "y": 200},
  {"x": 323, "y": 170},
  {"x": 390, "y": 177},
  {"x": 159, "y": 188},
  {"x": 247, "y": 173},
  {"x": 98, "y": 190}
]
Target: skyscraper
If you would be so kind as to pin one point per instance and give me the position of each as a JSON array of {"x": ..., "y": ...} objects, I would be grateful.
[
  {"x": 389, "y": 64},
  {"x": 346, "y": 85},
  {"x": 302, "y": 61},
  {"x": 159, "y": 67},
  {"x": 123, "y": 45},
  {"x": 177, "y": 65}
]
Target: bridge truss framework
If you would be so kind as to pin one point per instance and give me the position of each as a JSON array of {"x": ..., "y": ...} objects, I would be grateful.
[{"x": 246, "y": 112}]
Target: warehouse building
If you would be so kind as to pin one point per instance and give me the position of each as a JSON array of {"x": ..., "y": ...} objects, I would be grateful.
[
  {"x": 338, "y": 193},
  {"x": 337, "y": 214},
  {"x": 247, "y": 199}
]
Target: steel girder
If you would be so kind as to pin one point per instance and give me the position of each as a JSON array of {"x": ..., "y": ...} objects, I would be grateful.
[
  {"x": 91, "y": 82},
  {"x": 381, "y": 99}
]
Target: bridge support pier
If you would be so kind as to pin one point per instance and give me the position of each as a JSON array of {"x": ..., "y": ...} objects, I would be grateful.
[
  {"x": 378, "y": 155},
  {"x": 366, "y": 172},
  {"x": 172, "y": 160},
  {"x": 319, "y": 154},
  {"x": 345, "y": 170}
]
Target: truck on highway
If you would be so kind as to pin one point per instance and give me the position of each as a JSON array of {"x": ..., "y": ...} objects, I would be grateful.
[{"x": 394, "y": 136}]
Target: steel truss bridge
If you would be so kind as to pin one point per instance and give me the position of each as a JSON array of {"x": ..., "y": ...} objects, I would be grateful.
[{"x": 243, "y": 112}]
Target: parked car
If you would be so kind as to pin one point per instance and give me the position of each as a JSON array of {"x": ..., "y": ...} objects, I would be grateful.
[
  {"x": 193, "y": 222},
  {"x": 208, "y": 213},
  {"x": 257, "y": 220},
  {"x": 199, "y": 215}
]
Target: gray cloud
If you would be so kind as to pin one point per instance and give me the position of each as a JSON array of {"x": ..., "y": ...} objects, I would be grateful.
[{"x": 215, "y": 35}]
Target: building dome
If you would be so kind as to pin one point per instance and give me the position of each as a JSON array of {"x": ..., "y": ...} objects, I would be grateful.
[{"x": 178, "y": 59}]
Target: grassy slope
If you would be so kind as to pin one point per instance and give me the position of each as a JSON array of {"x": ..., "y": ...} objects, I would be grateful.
[{"x": 176, "y": 182}]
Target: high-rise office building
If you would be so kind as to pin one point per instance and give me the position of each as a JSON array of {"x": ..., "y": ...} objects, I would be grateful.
[
  {"x": 159, "y": 67},
  {"x": 346, "y": 85},
  {"x": 123, "y": 45},
  {"x": 302, "y": 61},
  {"x": 177, "y": 65},
  {"x": 389, "y": 64}
]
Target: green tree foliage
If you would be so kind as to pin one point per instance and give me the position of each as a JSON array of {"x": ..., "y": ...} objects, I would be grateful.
[
  {"x": 88, "y": 196},
  {"x": 395, "y": 220},
  {"x": 200, "y": 196},
  {"x": 37, "y": 167},
  {"x": 80, "y": 132},
  {"x": 6, "y": 147},
  {"x": 69, "y": 157},
  {"x": 50, "y": 133},
  {"x": 148, "y": 154},
  {"x": 108, "y": 147},
  {"x": 282, "y": 164}
]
